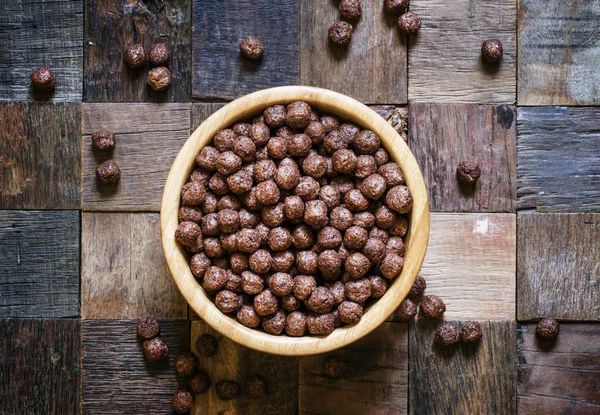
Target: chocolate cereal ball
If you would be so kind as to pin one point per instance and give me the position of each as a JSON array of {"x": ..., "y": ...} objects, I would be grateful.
[
  {"x": 213, "y": 247},
  {"x": 446, "y": 335},
  {"x": 356, "y": 201},
  {"x": 378, "y": 286},
  {"x": 471, "y": 332},
  {"x": 186, "y": 364},
  {"x": 281, "y": 283},
  {"x": 400, "y": 227},
  {"x": 365, "y": 166},
  {"x": 295, "y": 324},
  {"x": 199, "y": 264},
  {"x": 350, "y": 312},
  {"x": 304, "y": 285},
  {"x": 329, "y": 237},
  {"x": 547, "y": 329},
  {"x": 395, "y": 245},
  {"x": 329, "y": 263},
  {"x": 228, "y": 302},
  {"x": 209, "y": 225},
  {"x": 299, "y": 145},
  {"x": 244, "y": 148},
  {"x": 341, "y": 218},
  {"x": 43, "y": 79},
  {"x": 302, "y": 237},
  {"x": 409, "y": 23},
  {"x": 193, "y": 193},
  {"x": 358, "y": 290},
  {"x": 240, "y": 182},
  {"x": 468, "y": 172},
  {"x": 260, "y": 261},
  {"x": 265, "y": 303},
  {"x": 228, "y": 220},
  {"x": 155, "y": 349},
  {"x": 227, "y": 390},
  {"x": 135, "y": 56},
  {"x": 108, "y": 172},
  {"x": 273, "y": 215},
  {"x": 366, "y": 142},
  {"x": 385, "y": 217},
  {"x": 399, "y": 199},
  {"x": 277, "y": 147},
  {"x": 187, "y": 233},
  {"x": 252, "y": 283},
  {"x": 275, "y": 116},
  {"x": 355, "y": 237},
  {"x": 314, "y": 166},
  {"x": 200, "y": 383},
  {"x": 207, "y": 158},
  {"x": 365, "y": 220},
  {"x": 298, "y": 114},
  {"x": 234, "y": 281},
  {"x": 307, "y": 188},
  {"x": 182, "y": 402},
  {"x": 391, "y": 265},
  {"x": 267, "y": 193},
  {"x": 320, "y": 324},
  {"x": 381, "y": 157},
  {"x": 148, "y": 328},
  {"x": 392, "y": 173},
  {"x": 373, "y": 186},
  {"x": 357, "y": 265},
  {"x": 418, "y": 288},
  {"x": 350, "y": 9},
  {"x": 103, "y": 140},
  {"x": 407, "y": 311},
  {"x": 248, "y": 316},
  {"x": 374, "y": 250},
  {"x": 289, "y": 303},
  {"x": 307, "y": 262},
  {"x": 282, "y": 261},
  {"x": 330, "y": 195},
  {"x": 315, "y": 214},
  {"x": 330, "y": 123},
  {"x": 264, "y": 170},
  {"x": 256, "y": 386},
  {"x": 287, "y": 176},
  {"x": 252, "y": 48},
  {"x": 340, "y": 33},
  {"x": 228, "y": 163},
  {"x": 280, "y": 239},
  {"x": 335, "y": 366},
  {"x": 432, "y": 306},
  {"x": 315, "y": 131},
  {"x": 491, "y": 51},
  {"x": 320, "y": 300},
  {"x": 293, "y": 207},
  {"x": 159, "y": 78},
  {"x": 275, "y": 323},
  {"x": 218, "y": 184},
  {"x": 395, "y": 6},
  {"x": 344, "y": 161},
  {"x": 159, "y": 54},
  {"x": 206, "y": 345},
  {"x": 214, "y": 280},
  {"x": 224, "y": 139},
  {"x": 189, "y": 214}
]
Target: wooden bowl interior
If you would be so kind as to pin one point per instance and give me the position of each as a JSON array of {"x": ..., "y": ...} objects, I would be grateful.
[{"x": 243, "y": 109}]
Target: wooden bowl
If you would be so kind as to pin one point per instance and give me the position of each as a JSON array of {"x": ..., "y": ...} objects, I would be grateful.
[{"x": 245, "y": 108}]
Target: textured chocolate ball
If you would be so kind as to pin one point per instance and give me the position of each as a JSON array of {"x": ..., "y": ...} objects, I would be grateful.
[
  {"x": 275, "y": 323},
  {"x": 298, "y": 114},
  {"x": 446, "y": 335},
  {"x": 228, "y": 301},
  {"x": 302, "y": 237},
  {"x": 200, "y": 383},
  {"x": 468, "y": 172},
  {"x": 406, "y": 311},
  {"x": 186, "y": 364},
  {"x": 252, "y": 48},
  {"x": 432, "y": 306},
  {"x": 356, "y": 201},
  {"x": 350, "y": 312},
  {"x": 399, "y": 199},
  {"x": 43, "y": 79},
  {"x": 547, "y": 329},
  {"x": 358, "y": 290},
  {"x": 350, "y": 9},
  {"x": 295, "y": 324},
  {"x": 282, "y": 261},
  {"x": 187, "y": 233},
  {"x": 159, "y": 78},
  {"x": 320, "y": 300},
  {"x": 281, "y": 283},
  {"x": 148, "y": 328},
  {"x": 227, "y": 390},
  {"x": 395, "y": 245},
  {"x": 267, "y": 193},
  {"x": 373, "y": 186},
  {"x": 379, "y": 286},
  {"x": 182, "y": 402},
  {"x": 340, "y": 33},
  {"x": 344, "y": 161},
  {"x": 395, "y": 6},
  {"x": 471, "y": 332},
  {"x": 357, "y": 265},
  {"x": 320, "y": 324},
  {"x": 329, "y": 237},
  {"x": 307, "y": 262},
  {"x": 103, "y": 140},
  {"x": 491, "y": 51},
  {"x": 266, "y": 303},
  {"x": 135, "y": 56},
  {"x": 155, "y": 349},
  {"x": 275, "y": 116},
  {"x": 260, "y": 261},
  {"x": 248, "y": 317},
  {"x": 315, "y": 214},
  {"x": 418, "y": 288},
  {"x": 409, "y": 23},
  {"x": 391, "y": 265},
  {"x": 341, "y": 218},
  {"x": 108, "y": 172},
  {"x": 374, "y": 250},
  {"x": 214, "y": 280},
  {"x": 159, "y": 54}
]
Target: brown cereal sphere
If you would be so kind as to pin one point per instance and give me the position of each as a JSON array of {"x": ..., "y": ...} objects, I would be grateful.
[
  {"x": 350, "y": 312},
  {"x": 337, "y": 290},
  {"x": 307, "y": 188},
  {"x": 211, "y": 203},
  {"x": 320, "y": 300},
  {"x": 200, "y": 175},
  {"x": 395, "y": 245},
  {"x": 344, "y": 161},
  {"x": 446, "y": 335},
  {"x": 373, "y": 186},
  {"x": 244, "y": 148},
  {"x": 186, "y": 364},
  {"x": 265, "y": 170},
  {"x": 299, "y": 145},
  {"x": 471, "y": 332},
  {"x": 374, "y": 249},
  {"x": 349, "y": 131},
  {"x": 135, "y": 56},
  {"x": 343, "y": 183},
  {"x": 302, "y": 237},
  {"x": 280, "y": 239},
  {"x": 366, "y": 142},
  {"x": 341, "y": 218},
  {"x": 330, "y": 123},
  {"x": 364, "y": 220},
  {"x": 263, "y": 232},
  {"x": 43, "y": 79},
  {"x": 304, "y": 285},
  {"x": 260, "y": 134},
  {"x": 385, "y": 217},
  {"x": 159, "y": 54},
  {"x": 155, "y": 349},
  {"x": 224, "y": 139},
  {"x": 298, "y": 114},
  {"x": 187, "y": 233},
  {"x": 265, "y": 303},
  {"x": 350, "y": 9},
  {"x": 315, "y": 131},
  {"x": 248, "y": 240},
  {"x": 148, "y": 328},
  {"x": 234, "y": 281},
  {"x": 365, "y": 166},
  {"x": 193, "y": 193},
  {"x": 260, "y": 261},
  {"x": 240, "y": 182},
  {"x": 357, "y": 265},
  {"x": 547, "y": 329},
  {"x": 252, "y": 283},
  {"x": 228, "y": 163},
  {"x": 227, "y": 390},
  {"x": 214, "y": 279},
  {"x": 409, "y": 23},
  {"x": 391, "y": 265},
  {"x": 293, "y": 207},
  {"x": 206, "y": 345},
  {"x": 400, "y": 227},
  {"x": 248, "y": 317},
  {"x": 252, "y": 48},
  {"x": 314, "y": 166},
  {"x": 207, "y": 158},
  {"x": 307, "y": 262},
  {"x": 182, "y": 402},
  {"x": 213, "y": 247},
  {"x": 399, "y": 199},
  {"x": 356, "y": 201},
  {"x": 320, "y": 324},
  {"x": 248, "y": 219},
  {"x": 329, "y": 263},
  {"x": 228, "y": 220},
  {"x": 379, "y": 234},
  {"x": 335, "y": 366},
  {"x": 315, "y": 214},
  {"x": 199, "y": 264},
  {"x": 491, "y": 51},
  {"x": 468, "y": 172},
  {"x": 277, "y": 147},
  {"x": 275, "y": 116},
  {"x": 432, "y": 306},
  {"x": 200, "y": 383},
  {"x": 103, "y": 140},
  {"x": 267, "y": 192},
  {"x": 250, "y": 200},
  {"x": 108, "y": 172},
  {"x": 289, "y": 303},
  {"x": 329, "y": 237},
  {"x": 242, "y": 129},
  {"x": 295, "y": 324},
  {"x": 379, "y": 286},
  {"x": 282, "y": 261},
  {"x": 395, "y": 6},
  {"x": 287, "y": 177},
  {"x": 355, "y": 237},
  {"x": 275, "y": 323},
  {"x": 381, "y": 157},
  {"x": 189, "y": 214},
  {"x": 281, "y": 283},
  {"x": 256, "y": 386},
  {"x": 392, "y": 174},
  {"x": 418, "y": 288},
  {"x": 407, "y": 311},
  {"x": 358, "y": 290},
  {"x": 159, "y": 78},
  {"x": 330, "y": 195},
  {"x": 228, "y": 302},
  {"x": 340, "y": 33},
  {"x": 273, "y": 215}
]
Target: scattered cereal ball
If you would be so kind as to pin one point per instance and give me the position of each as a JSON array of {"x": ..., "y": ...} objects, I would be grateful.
[
  {"x": 340, "y": 33},
  {"x": 409, "y": 23},
  {"x": 471, "y": 332},
  {"x": 399, "y": 199},
  {"x": 315, "y": 214},
  {"x": 374, "y": 250},
  {"x": 227, "y": 390},
  {"x": 350, "y": 312},
  {"x": 392, "y": 173},
  {"x": 418, "y": 288},
  {"x": 329, "y": 263},
  {"x": 200, "y": 383},
  {"x": 256, "y": 387},
  {"x": 366, "y": 142},
  {"x": 358, "y": 290},
  {"x": 228, "y": 163},
  {"x": 275, "y": 116},
  {"x": 240, "y": 182},
  {"x": 357, "y": 265},
  {"x": 395, "y": 245},
  {"x": 248, "y": 317},
  {"x": 344, "y": 161},
  {"x": 214, "y": 280},
  {"x": 155, "y": 349},
  {"x": 432, "y": 306},
  {"x": 304, "y": 285},
  {"x": 108, "y": 172},
  {"x": 260, "y": 261},
  {"x": 547, "y": 329},
  {"x": 320, "y": 300},
  {"x": 446, "y": 335},
  {"x": 295, "y": 324},
  {"x": 335, "y": 366},
  {"x": 187, "y": 233},
  {"x": 307, "y": 262},
  {"x": 159, "y": 78},
  {"x": 298, "y": 114},
  {"x": 103, "y": 140},
  {"x": 350, "y": 9},
  {"x": 378, "y": 286},
  {"x": 320, "y": 324},
  {"x": 407, "y": 311},
  {"x": 186, "y": 364},
  {"x": 299, "y": 145},
  {"x": 281, "y": 283},
  {"x": 275, "y": 323},
  {"x": 356, "y": 201},
  {"x": 468, "y": 172},
  {"x": 228, "y": 301},
  {"x": 381, "y": 157},
  {"x": 267, "y": 192},
  {"x": 159, "y": 54},
  {"x": 206, "y": 345},
  {"x": 491, "y": 51},
  {"x": 43, "y": 79},
  {"x": 182, "y": 402},
  {"x": 148, "y": 328},
  {"x": 252, "y": 48},
  {"x": 373, "y": 186},
  {"x": 395, "y": 6},
  {"x": 135, "y": 56},
  {"x": 365, "y": 166},
  {"x": 266, "y": 303}
]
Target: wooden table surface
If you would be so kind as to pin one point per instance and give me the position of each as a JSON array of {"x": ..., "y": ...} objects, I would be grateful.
[{"x": 79, "y": 265}]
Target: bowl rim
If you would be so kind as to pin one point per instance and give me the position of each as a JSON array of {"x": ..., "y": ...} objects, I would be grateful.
[{"x": 330, "y": 102}]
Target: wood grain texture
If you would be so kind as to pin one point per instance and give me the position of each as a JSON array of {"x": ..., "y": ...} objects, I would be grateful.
[
  {"x": 148, "y": 137},
  {"x": 40, "y": 366},
  {"x": 558, "y": 257},
  {"x": 39, "y": 264},
  {"x": 473, "y": 379},
  {"x": 41, "y": 33},
  {"x": 123, "y": 269},
  {"x": 219, "y": 70},
  {"x": 200, "y": 112},
  {"x": 441, "y": 136},
  {"x": 112, "y": 25},
  {"x": 445, "y": 56},
  {"x": 559, "y": 52},
  {"x": 116, "y": 378},
  {"x": 375, "y": 381},
  {"x": 235, "y": 362},
  {"x": 558, "y": 159},
  {"x": 372, "y": 69},
  {"x": 560, "y": 377},
  {"x": 471, "y": 265},
  {"x": 397, "y": 117},
  {"x": 40, "y": 163}
]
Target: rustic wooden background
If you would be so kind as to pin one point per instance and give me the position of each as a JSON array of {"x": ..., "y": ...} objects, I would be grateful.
[{"x": 78, "y": 264}]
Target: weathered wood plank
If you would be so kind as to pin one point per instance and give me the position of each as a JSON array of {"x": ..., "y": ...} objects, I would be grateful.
[
  {"x": 148, "y": 136},
  {"x": 117, "y": 379},
  {"x": 234, "y": 362},
  {"x": 123, "y": 270},
  {"x": 474, "y": 379},
  {"x": 441, "y": 136},
  {"x": 444, "y": 59},
  {"x": 41, "y": 33},
  {"x": 111, "y": 25},
  {"x": 471, "y": 265},
  {"x": 559, "y": 52},
  {"x": 219, "y": 70},
  {"x": 397, "y": 117},
  {"x": 40, "y": 163},
  {"x": 200, "y": 112},
  {"x": 40, "y": 361},
  {"x": 558, "y": 257},
  {"x": 372, "y": 69},
  {"x": 558, "y": 159},
  {"x": 39, "y": 264},
  {"x": 562, "y": 377},
  {"x": 375, "y": 382}
]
